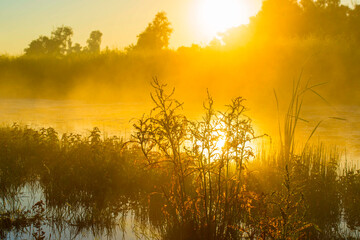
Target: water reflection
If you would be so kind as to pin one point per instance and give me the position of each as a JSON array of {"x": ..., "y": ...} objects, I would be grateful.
[
  {"x": 91, "y": 186},
  {"x": 30, "y": 213},
  {"x": 115, "y": 119}
]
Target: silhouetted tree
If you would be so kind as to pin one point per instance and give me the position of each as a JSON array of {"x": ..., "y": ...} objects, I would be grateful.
[
  {"x": 277, "y": 18},
  {"x": 354, "y": 21},
  {"x": 59, "y": 43},
  {"x": 38, "y": 46},
  {"x": 215, "y": 43},
  {"x": 94, "y": 42},
  {"x": 76, "y": 48},
  {"x": 62, "y": 39},
  {"x": 157, "y": 34},
  {"x": 297, "y": 18}
]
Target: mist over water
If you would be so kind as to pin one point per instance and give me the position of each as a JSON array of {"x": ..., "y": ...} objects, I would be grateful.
[
  {"x": 340, "y": 126},
  {"x": 70, "y": 115}
]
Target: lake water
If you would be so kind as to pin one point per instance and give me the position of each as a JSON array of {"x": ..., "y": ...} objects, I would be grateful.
[
  {"x": 124, "y": 227},
  {"x": 340, "y": 127},
  {"x": 70, "y": 116},
  {"x": 340, "y": 124}
]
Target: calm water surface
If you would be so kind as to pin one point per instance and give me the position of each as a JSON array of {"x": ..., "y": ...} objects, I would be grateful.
[
  {"x": 340, "y": 124},
  {"x": 340, "y": 127}
]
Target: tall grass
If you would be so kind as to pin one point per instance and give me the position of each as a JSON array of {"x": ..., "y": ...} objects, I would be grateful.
[
  {"x": 182, "y": 179},
  {"x": 299, "y": 199}
]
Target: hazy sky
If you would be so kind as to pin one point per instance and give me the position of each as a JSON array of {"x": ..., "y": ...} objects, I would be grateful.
[{"x": 120, "y": 21}]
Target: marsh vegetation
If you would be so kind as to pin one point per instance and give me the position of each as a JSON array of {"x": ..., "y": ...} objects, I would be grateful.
[
  {"x": 178, "y": 179},
  {"x": 227, "y": 163}
]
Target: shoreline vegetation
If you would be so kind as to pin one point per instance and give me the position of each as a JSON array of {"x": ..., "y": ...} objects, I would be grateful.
[
  {"x": 181, "y": 179},
  {"x": 251, "y": 71}
]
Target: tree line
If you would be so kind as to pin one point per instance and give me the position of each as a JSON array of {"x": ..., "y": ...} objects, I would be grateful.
[
  {"x": 276, "y": 19},
  {"x": 156, "y": 36},
  {"x": 60, "y": 43},
  {"x": 298, "y": 19}
]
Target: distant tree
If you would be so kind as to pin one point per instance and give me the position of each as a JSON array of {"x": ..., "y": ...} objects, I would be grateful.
[
  {"x": 157, "y": 34},
  {"x": 61, "y": 38},
  {"x": 58, "y": 44},
  {"x": 94, "y": 42},
  {"x": 354, "y": 21},
  {"x": 325, "y": 17},
  {"x": 328, "y": 3},
  {"x": 307, "y": 4},
  {"x": 76, "y": 48},
  {"x": 215, "y": 43},
  {"x": 38, "y": 46},
  {"x": 278, "y": 18},
  {"x": 237, "y": 36},
  {"x": 297, "y": 18}
]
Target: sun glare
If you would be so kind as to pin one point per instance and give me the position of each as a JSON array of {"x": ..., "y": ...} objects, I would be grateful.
[
  {"x": 220, "y": 143},
  {"x": 216, "y": 16}
]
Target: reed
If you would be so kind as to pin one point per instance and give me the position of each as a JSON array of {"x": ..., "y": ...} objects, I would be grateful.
[{"x": 180, "y": 178}]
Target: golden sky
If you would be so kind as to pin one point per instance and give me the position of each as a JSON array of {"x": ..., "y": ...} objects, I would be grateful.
[{"x": 120, "y": 21}]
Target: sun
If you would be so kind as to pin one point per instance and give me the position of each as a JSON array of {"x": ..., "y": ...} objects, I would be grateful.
[{"x": 214, "y": 16}]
